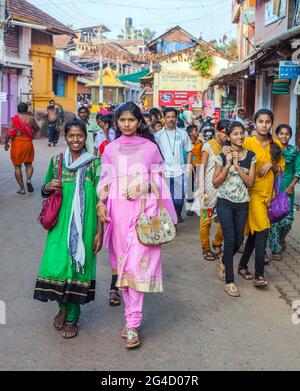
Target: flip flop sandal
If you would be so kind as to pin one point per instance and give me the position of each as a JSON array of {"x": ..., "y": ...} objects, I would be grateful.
[
  {"x": 61, "y": 327},
  {"x": 21, "y": 192},
  {"x": 114, "y": 298},
  {"x": 29, "y": 187},
  {"x": 66, "y": 331},
  {"x": 245, "y": 274},
  {"x": 209, "y": 256},
  {"x": 125, "y": 331}
]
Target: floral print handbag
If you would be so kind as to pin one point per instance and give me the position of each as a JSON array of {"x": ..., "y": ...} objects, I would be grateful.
[{"x": 155, "y": 230}]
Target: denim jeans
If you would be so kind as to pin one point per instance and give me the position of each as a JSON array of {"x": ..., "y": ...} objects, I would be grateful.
[
  {"x": 233, "y": 218},
  {"x": 176, "y": 185},
  {"x": 257, "y": 240}
]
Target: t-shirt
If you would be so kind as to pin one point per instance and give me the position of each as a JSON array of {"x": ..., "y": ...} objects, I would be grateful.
[
  {"x": 101, "y": 137},
  {"x": 172, "y": 143},
  {"x": 196, "y": 153},
  {"x": 233, "y": 188}
]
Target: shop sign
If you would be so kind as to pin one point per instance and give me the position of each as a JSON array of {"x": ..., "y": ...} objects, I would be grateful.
[
  {"x": 179, "y": 98},
  {"x": 289, "y": 69}
]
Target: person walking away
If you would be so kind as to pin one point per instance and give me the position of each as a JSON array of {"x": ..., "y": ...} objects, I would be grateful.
[
  {"x": 172, "y": 141},
  {"x": 22, "y": 129},
  {"x": 196, "y": 159},
  {"x": 92, "y": 128},
  {"x": 131, "y": 170},
  {"x": 53, "y": 131},
  {"x": 68, "y": 269},
  {"x": 188, "y": 115},
  {"x": 208, "y": 194},
  {"x": 234, "y": 175},
  {"x": 291, "y": 175},
  {"x": 269, "y": 161}
]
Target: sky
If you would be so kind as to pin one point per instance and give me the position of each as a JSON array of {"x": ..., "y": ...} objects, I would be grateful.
[{"x": 210, "y": 19}]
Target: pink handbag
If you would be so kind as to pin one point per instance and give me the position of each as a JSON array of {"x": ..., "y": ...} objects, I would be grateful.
[{"x": 50, "y": 208}]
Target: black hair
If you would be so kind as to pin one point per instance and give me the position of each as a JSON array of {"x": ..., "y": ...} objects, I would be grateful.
[
  {"x": 107, "y": 119},
  {"x": 156, "y": 123},
  {"x": 22, "y": 108},
  {"x": 75, "y": 122},
  {"x": 170, "y": 110},
  {"x": 156, "y": 112},
  {"x": 99, "y": 116},
  {"x": 190, "y": 128},
  {"x": 51, "y": 107},
  {"x": 284, "y": 126},
  {"x": 143, "y": 129},
  {"x": 232, "y": 125},
  {"x": 83, "y": 108},
  {"x": 146, "y": 115},
  {"x": 241, "y": 110},
  {"x": 275, "y": 150},
  {"x": 223, "y": 124}
]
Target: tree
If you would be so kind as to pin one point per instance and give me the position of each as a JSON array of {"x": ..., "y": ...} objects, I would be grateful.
[
  {"x": 229, "y": 48},
  {"x": 148, "y": 34}
]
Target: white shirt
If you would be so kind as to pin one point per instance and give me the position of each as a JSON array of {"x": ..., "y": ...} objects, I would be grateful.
[
  {"x": 101, "y": 137},
  {"x": 171, "y": 144}
]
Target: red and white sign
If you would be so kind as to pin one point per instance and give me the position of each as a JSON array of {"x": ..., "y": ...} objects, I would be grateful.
[{"x": 179, "y": 98}]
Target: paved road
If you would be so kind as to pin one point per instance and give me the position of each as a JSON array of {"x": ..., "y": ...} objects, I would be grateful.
[{"x": 192, "y": 326}]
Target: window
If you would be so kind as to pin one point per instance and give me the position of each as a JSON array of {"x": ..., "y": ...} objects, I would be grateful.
[{"x": 59, "y": 83}]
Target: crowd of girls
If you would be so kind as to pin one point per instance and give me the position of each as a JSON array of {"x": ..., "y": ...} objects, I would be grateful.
[{"x": 102, "y": 206}]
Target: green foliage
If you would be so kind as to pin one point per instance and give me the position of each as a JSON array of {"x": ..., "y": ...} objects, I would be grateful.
[{"x": 203, "y": 62}]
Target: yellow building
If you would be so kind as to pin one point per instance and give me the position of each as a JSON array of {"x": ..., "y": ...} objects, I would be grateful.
[{"x": 113, "y": 89}]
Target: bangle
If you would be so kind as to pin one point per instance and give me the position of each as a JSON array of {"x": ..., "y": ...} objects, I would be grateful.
[{"x": 100, "y": 204}]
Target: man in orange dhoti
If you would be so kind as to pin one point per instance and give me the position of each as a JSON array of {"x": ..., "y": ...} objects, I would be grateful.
[{"x": 22, "y": 129}]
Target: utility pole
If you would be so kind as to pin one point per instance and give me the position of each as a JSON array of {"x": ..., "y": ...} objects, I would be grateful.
[
  {"x": 100, "y": 37},
  {"x": 2, "y": 49}
]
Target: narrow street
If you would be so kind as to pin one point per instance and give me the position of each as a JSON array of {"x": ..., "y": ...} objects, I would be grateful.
[{"x": 194, "y": 325}]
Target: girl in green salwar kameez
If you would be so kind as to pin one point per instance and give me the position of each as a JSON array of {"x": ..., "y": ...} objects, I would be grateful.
[
  {"x": 291, "y": 175},
  {"x": 68, "y": 270}
]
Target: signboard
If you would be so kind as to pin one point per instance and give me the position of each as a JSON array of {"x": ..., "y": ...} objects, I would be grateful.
[
  {"x": 274, "y": 11},
  {"x": 297, "y": 86},
  {"x": 179, "y": 98},
  {"x": 289, "y": 69},
  {"x": 3, "y": 96},
  {"x": 170, "y": 81}
]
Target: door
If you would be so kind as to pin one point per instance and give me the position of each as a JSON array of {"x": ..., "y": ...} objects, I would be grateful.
[{"x": 10, "y": 86}]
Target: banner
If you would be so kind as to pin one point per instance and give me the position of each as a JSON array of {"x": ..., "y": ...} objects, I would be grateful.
[{"x": 179, "y": 98}]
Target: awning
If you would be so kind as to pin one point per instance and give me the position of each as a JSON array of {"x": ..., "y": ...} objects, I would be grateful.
[
  {"x": 134, "y": 77},
  {"x": 68, "y": 67},
  {"x": 231, "y": 72}
]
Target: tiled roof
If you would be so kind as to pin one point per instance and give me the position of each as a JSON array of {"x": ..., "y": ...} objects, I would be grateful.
[
  {"x": 61, "y": 41},
  {"x": 26, "y": 12},
  {"x": 68, "y": 67}
]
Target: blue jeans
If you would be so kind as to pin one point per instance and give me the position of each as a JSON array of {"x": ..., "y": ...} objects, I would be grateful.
[
  {"x": 176, "y": 185},
  {"x": 233, "y": 218}
]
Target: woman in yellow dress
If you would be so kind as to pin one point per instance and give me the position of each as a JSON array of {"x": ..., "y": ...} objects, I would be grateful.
[{"x": 269, "y": 159}]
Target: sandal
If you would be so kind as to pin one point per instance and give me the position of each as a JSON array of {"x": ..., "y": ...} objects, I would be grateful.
[
  {"x": 60, "y": 320},
  {"x": 219, "y": 252},
  {"x": 70, "y": 330},
  {"x": 133, "y": 339},
  {"x": 114, "y": 298},
  {"x": 220, "y": 270},
  {"x": 260, "y": 282},
  {"x": 21, "y": 191},
  {"x": 276, "y": 257},
  {"x": 231, "y": 290},
  {"x": 209, "y": 256},
  {"x": 29, "y": 187},
  {"x": 245, "y": 274},
  {"x": 125, "y": 331}
]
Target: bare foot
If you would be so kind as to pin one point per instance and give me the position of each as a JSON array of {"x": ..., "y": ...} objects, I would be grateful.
[
  {"x": 70, "y": 330},
  {"x": 60, "y": 320}
]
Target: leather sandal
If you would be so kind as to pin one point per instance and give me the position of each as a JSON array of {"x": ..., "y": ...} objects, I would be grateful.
[
  {"x": 260, "y": 282},
  {"x": 245, "y": 274},
  {"x": 276, "y": 257},
  {"x": 209, "y": 256},
  {"x": 114, "y": 298}
]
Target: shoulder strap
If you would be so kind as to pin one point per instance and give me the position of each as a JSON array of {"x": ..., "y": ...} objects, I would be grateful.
[
  {"x": 277, "y": 188},
  {"x": 159, "y": 202}
]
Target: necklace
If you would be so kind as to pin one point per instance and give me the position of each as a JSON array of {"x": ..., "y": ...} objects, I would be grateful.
[{"x": 172, "y": 149}]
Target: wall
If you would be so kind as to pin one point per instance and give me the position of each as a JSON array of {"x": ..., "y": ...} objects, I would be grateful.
[
  {"x": 264, "y": 33},
  {"x": 69, "y": 101},
  {"x": 281, "y": 109}
]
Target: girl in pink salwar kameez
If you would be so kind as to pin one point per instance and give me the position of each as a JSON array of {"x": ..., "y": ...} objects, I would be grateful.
[{"x": 131, "y": 170}]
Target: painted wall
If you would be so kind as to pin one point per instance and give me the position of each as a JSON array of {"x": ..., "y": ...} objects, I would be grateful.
[{"x": 42, "y": 83}]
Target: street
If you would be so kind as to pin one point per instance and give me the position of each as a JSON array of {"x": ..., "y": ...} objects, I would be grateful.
[{"x": 194, "y": 325}]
